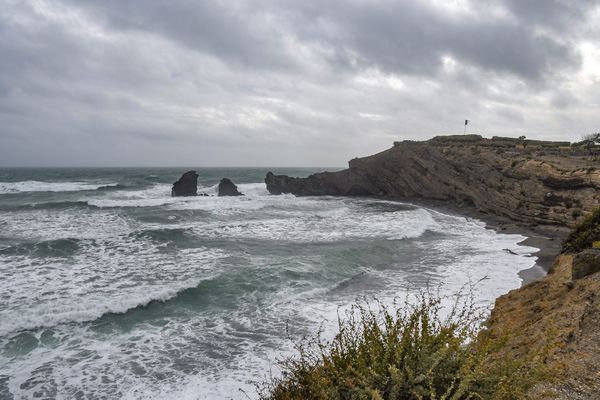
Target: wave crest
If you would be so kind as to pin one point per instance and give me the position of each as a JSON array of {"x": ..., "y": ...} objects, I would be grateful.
[
  {"x": 50, "y": 316},
  {"x": 39, "y": 186},
  {"x": 48, "y": 248}
]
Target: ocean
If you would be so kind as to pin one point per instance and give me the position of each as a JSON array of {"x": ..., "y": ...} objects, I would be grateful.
[{"x": 111, "y": 289}]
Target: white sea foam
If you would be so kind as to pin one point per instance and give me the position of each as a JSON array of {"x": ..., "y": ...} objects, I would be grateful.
[
  {"x": 37, "y": 186},
  {"x": 43, "y": 225},
  {"x": 160, "y": 194},
  {"x": 286, "y": 259},
  {"x": 340, "y": 223},
  {"x": 253, "y": 189},
  {"x": 156, "y": 195},
  {"x": 313, "y": 308},
  {"x": 104, "y": 276},
  {"x": 247, "y": 189}
]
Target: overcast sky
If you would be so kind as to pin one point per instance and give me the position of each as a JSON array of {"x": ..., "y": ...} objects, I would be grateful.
[{"x": 286, "y": 82}]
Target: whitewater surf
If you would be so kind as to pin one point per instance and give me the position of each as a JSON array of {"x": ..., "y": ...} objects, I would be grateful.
[{"x": 110, "y": 288}]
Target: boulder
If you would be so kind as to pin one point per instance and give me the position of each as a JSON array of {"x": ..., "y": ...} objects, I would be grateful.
[
  {"x": 586, "y": 263},
  {"x": 228, "y": 188},
  {"x": 187, "y": 185}
]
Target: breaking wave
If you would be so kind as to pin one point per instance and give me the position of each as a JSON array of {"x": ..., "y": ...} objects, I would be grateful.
[{"x": 38, "y": 186}]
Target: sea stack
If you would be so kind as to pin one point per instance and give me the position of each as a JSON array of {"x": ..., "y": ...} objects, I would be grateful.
[
  {"x": 228, "y": 188},
  {"x": 187, "y": 185}
]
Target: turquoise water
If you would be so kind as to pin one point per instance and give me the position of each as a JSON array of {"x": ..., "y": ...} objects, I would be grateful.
[{"x": 110, "y": 288}]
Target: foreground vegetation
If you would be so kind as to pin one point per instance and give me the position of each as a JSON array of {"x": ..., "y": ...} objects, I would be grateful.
[
  {"x": 584, "y": 235},
  {"x": 409, "y": 353},
  {"x": 413, "y": 353}
]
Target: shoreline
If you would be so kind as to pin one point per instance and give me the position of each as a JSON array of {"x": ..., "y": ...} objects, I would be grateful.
[{"x": 546, "y": 238}]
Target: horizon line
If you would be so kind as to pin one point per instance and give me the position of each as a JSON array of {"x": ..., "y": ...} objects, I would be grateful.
[{"x": 163, "y": 166}]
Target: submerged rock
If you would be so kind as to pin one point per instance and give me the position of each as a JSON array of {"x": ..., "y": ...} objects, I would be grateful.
[
  {"x": 228, "y": 188},
  {"x": 187, "y": 185},
  {"x": 586, "y": 263}
]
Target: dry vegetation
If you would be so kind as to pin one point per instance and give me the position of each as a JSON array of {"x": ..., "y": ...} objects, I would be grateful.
[
  {"x": 541, "y": 342},
  {"x": 410, "y": 353}
]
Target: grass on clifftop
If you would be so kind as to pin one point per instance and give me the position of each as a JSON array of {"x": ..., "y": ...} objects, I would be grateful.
[
  {"x": 411, "y": 353},
  {"x": 584, "y": 234}
]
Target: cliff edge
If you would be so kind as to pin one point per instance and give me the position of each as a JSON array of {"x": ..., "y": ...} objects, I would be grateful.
[
  {"x": 529, "y": 182},
  {"x": 554, "y": 321}
]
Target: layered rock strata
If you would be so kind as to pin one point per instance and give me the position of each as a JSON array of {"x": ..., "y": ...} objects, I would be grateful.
[{"x": 530, "y": 182}]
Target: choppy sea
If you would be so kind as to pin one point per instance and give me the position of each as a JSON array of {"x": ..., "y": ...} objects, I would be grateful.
[{"x": 111, "y": 289}]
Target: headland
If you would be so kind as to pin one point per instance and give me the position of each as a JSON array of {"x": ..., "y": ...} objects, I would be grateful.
[{"x": 547, "y": 191}]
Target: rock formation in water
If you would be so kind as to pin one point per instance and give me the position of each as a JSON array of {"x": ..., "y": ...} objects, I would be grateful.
[
  {"x": 530, "y": 182},
  {"x": 228, "y": 188},
  {"x": 187, "y": 185}
]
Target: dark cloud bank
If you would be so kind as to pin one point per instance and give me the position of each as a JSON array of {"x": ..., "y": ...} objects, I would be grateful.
[{"x": 181, "y": 82}]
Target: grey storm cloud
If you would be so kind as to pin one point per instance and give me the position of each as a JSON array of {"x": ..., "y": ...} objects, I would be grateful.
[
  {"x": 105, "y": 82},
  {"x": 554, "y": 14},
  {"x": 403, "y": 37},
  {"x": 413, "y": 37},
  {"x": 229, "y": 30}
]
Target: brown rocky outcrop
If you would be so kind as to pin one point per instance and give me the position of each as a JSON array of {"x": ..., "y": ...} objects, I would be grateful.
[
  {"x": 187, "y": 185},
  {"x": 228, "y": 188},
  {"x": 530, "y": 182},
  {"x": 554, "y": 321},
  {"x": 586, "y": 263}
]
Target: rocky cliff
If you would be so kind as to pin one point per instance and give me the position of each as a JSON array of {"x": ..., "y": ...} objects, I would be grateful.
[
  {"x": 554, "y": 321},
  {"x": 530, "y": 182},
  {"x": 549, "y": 326}
]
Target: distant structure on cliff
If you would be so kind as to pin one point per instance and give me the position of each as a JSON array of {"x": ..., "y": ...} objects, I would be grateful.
[{"x": 590, "y": 146}]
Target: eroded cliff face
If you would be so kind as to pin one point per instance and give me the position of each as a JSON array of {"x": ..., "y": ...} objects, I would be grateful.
[
  {"x": 531, "y": 186},
  {"x": 554, "y": 321}
]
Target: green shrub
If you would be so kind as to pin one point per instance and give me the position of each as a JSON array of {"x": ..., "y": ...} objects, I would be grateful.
[
  {"x": 408, "y": 354},
  {"x": 584, "y": 234}
]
